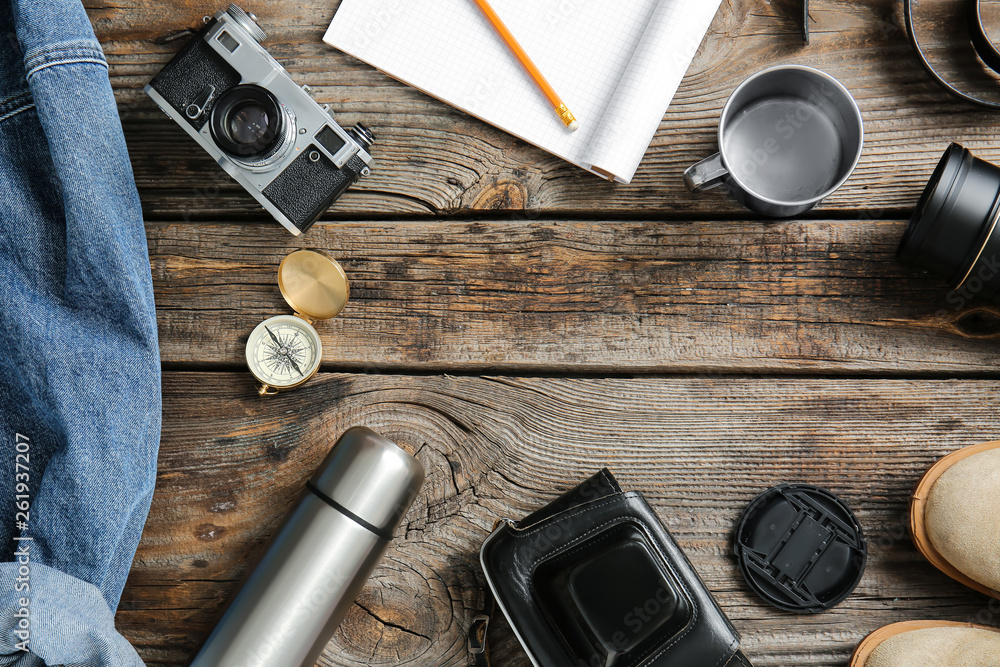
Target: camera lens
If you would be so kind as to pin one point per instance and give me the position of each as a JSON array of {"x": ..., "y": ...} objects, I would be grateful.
[
  {"x": 952, "y": 231},
  {"x": 247, "y": 123}
]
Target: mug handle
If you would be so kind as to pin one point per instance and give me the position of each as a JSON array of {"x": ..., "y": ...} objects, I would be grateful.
[{"x": 705, "y": 175}]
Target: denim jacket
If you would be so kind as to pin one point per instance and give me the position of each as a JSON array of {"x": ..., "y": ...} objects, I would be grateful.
[{"x": 79, "y": 364}]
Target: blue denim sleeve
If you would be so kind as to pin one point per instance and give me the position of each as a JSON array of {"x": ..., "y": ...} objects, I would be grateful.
[{"x": 79, "y": 363}]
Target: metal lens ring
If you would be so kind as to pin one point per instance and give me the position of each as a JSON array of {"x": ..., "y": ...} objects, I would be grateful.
[
  {"x": 251, "y": 126},
  {"x": 994, "y": 218}
]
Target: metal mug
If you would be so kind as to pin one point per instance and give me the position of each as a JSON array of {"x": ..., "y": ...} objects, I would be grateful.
[{"x": 789, "y": 136}]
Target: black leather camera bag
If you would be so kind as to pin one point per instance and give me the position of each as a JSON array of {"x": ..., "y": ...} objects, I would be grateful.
[{"x": 595, "y": 579}]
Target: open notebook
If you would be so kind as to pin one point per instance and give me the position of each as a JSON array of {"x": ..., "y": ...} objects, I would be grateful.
[{"x": 616, "y": 65}]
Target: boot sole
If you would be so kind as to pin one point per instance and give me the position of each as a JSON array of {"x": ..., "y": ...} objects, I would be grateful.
[
  {"x": 872, "y": 641},
  {"x": 918, "y": 528}
]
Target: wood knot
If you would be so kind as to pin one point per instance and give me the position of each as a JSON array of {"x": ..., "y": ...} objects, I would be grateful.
[
  {"x": 979, "y": 322},
  {"x": 502, "y": 195},
  {"x": 393, "y": 633}
]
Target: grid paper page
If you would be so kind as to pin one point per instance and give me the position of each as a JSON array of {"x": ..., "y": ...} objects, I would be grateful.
[
  {"x": 633, "y": 115},
  {"x": 449, "y": 50}
]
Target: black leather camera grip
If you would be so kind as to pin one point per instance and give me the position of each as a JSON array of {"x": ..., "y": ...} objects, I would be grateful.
[
  {"x": 193, "y": 68},
  {"x": 308, "y": 187},
  {"x": 552, "y": 571}
]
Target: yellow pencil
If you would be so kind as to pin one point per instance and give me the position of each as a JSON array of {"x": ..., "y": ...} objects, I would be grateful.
[{"x": 564, "y": 113}]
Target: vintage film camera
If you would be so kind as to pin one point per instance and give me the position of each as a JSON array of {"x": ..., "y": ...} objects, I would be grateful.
[{"x": 263, "y": 130}]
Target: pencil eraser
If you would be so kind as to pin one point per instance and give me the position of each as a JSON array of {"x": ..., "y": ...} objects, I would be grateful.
[{"x": 574, "y": 126}]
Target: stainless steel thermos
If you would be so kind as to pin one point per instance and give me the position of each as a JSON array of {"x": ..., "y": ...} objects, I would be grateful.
[{"x": 320, "y": 558}]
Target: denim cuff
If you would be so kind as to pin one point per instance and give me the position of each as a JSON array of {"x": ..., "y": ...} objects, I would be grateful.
[
  {"x": 66, "y": 621},
  {"x": 63, "y": 53}
]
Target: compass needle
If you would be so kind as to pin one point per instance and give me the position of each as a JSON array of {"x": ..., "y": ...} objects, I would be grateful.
[{"x": 285, "y": 350}]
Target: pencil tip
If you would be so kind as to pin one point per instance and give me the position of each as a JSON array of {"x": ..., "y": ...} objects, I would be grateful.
[{"x": 574, "y": 126}]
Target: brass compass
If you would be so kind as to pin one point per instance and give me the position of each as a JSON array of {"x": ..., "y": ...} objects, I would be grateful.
[{"x": 285, "y": 350}]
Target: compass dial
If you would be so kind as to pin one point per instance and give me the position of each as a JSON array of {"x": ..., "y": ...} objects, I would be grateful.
[{"x": 283, "y": 351}]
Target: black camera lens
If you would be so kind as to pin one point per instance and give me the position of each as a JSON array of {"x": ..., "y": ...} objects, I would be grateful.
[
  {"x": 951, "y": 233},
  {"x": 247, "y": 123}
]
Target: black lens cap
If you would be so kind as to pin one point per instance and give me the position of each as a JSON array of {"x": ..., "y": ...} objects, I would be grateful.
[{"x": 800, "y": 548}]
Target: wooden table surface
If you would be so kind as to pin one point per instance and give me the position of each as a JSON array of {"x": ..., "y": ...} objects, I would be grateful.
[{"x": 519, "y": 323}]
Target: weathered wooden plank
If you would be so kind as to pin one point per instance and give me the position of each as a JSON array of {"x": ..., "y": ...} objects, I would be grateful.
[
  {"x": 700, "y": 448},
  {"x": 581, "y": 296},
  {"x": 432, "y": 159}
]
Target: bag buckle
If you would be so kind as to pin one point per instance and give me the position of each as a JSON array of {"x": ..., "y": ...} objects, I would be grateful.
[{"x": 477, "y": 634}]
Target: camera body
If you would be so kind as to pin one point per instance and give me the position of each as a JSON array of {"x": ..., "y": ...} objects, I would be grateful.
[{"x": 265, "y": 131}]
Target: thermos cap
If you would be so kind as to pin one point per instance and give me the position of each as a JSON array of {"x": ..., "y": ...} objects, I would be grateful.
[{"x": 370, "y": 477}]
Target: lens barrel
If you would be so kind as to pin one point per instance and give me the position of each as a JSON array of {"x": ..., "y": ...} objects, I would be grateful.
[
  {"x": 951, "y": 233},
  {"x": 247, "y": 123}
]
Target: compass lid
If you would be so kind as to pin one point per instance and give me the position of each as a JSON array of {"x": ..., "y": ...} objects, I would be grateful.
[{"x": 313, "y": 283}]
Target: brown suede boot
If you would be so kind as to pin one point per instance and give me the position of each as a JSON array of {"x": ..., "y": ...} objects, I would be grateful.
[
  {"x": 955, "y": 516},
  {"x": 929, "y": 644}
]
